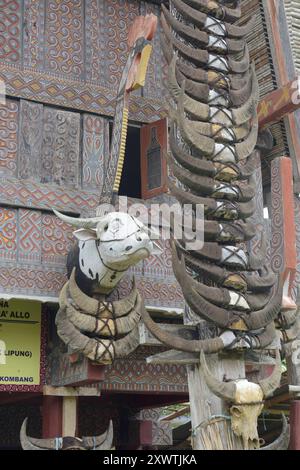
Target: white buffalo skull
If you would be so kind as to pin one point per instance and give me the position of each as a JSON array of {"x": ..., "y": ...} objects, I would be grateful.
[
  {"x": 245, "y": 399},
  {"x": 109, "y": 245}
]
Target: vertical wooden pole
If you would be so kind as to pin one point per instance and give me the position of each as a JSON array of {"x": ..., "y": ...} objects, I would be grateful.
[
  {"x": 52, "y": 416},
  {"x": 284, "y": 261},
  {"x": 295, "y": 425},
  {"x": 203, "y": 403},
  {"x": 69, "y": 416}
]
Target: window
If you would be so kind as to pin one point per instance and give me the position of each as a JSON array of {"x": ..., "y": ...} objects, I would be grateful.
[
  {"x": 145, "y": 168},
  {"x": 154, "y": 139}
]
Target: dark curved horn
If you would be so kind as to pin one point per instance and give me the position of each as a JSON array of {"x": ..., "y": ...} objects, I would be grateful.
[
  {"x": 240, "y": 280},
  {"x": 221, "y": 12},
  {"x": 271, "y": 383},
  {"x": 105, "y": 326},
  {"x": 102, "y": 442},
  {"x": 99, "y": 350},
  {"x": 169, "y": 339},
  {"x": 196, "y": 164},
  {"x": 267, "y": 336},
  {"x": 201, "y": 57},
  {"x": 262, "y": 317},
  {"x": 202, "y": 307},
  {"x": 226, "y": 210},
  {"x": 282, "y": 442},
  {"x": 211, "y": 187},
  {"x": 199, "y": 19},
  {"x": 30, "y": 443},
  {"x": 223, "y": 390},
  {"x": 218, "y": 132},
  {"x": 216, "y": 295},
  {"x": 221, "y": 171},
  {"x": 201, "y": 38},
  {"x": 91, "y": 306},
  {"x": 258, "y": 300},
  {"x": 228, "y": 82},
  {"x": 245, "y": 148},
  {"x": 256, "y": 260}
]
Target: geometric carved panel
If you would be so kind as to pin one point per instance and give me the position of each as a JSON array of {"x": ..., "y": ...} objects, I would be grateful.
[
  {"x": 297, "y": 224},
  {"x": 31, "y": 281},
  {"x": 258, "y": 217},
  {"x": 30, "y": 237},
  {"x": 95, "y": 150},
  {"x": 134, "y": 375},
  {"x": 10, "y": 30},
  {"x": 64, "y": 37},
  {"x": 9, "y": 114},
  {"x": 154, "y": 82},
  {"x": 30, "y": 140},
  {"x": 116, "y": 18},
  {"x": 57, "y": 240},
  {"x": 94, "y": 69},
  {"x": 8, "y": 234},
  {"x": 60, "y": 152},
  {"x": 33, "y": 36},
  {"x": 277, "y": 242}
]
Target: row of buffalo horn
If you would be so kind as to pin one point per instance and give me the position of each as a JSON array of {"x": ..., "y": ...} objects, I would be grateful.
[
  {"x": 213, "y": 101},
  {"x": 101, "y": 330},
  {"x": 212, "y": 107}
]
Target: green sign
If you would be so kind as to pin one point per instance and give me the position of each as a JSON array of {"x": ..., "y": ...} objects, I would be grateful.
[{"x": 20, "y": 342}]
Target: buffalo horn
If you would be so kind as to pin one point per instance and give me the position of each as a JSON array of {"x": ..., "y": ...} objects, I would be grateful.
[
  {"x": 210, "y": 346},
  {"x": 82, "y": 223},
  {"x": 91, "y": 306},
  {"x": 282, "y": 442},
  {"x": 271, "y": 383},
  {"x": 104, "y": 326},
  {"x": 223, "y": 390},
  {"x": 199, "y": 19},
  {"x": 30, "y": 443},
  {"x": 102, "y": 442}
]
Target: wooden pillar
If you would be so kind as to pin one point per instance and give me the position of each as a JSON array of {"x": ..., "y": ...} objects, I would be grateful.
[
  {"x": 69, "y": 416},
  {"x": 295, "y": 425},
  {"x": 144, "y": 430},
  {"x": 203, "y": 403},
  {"x": 52, "y": 416},
  {"x": 283, "y": 245}
]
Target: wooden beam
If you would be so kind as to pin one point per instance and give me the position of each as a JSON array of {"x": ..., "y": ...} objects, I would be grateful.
[
  {"x": 71, "y": 391},
  {"x": 173, "y": 357},
  {"x": 278, "y": 104},
  {"x": 186, "y": 331}
]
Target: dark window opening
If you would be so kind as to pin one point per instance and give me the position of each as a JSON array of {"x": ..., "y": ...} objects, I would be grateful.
[{"x": 131, "y": 175}]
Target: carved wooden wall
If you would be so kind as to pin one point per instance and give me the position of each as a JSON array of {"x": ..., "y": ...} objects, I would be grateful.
[
  {"x": 61, "y": 61},
  {"x": 71, "y": 54}
]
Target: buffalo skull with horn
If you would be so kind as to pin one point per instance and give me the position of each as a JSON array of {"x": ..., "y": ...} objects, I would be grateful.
[
  {"x": 107, "y": 246},
  {"x": 102, "y": 442},
  {"x": 245, "y": 399}
]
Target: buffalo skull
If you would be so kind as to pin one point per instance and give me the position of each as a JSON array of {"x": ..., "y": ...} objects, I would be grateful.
[
  {"x": 107, "y": 246},
  {"x": 245, "y": 399}
]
